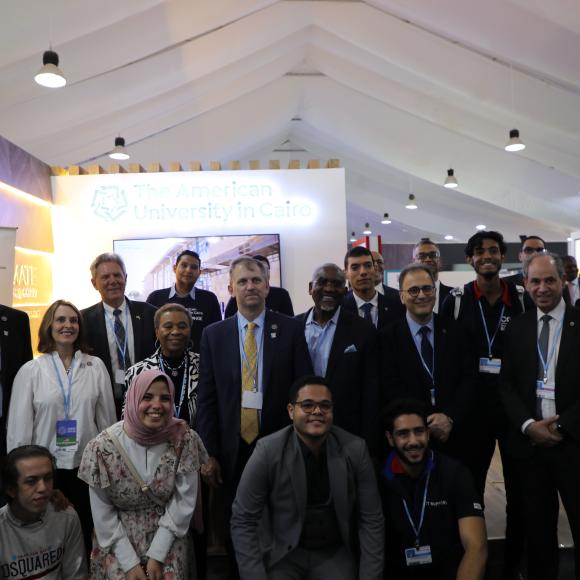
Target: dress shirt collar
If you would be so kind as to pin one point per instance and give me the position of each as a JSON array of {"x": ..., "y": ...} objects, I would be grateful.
[
  {"x": 310, "y": 318},
  {"x": 557, "y": 313},
  {"x": 415, "y": 327},
  {"x": 359, "y": 301},
  {"x": 259, "y": 321},
  {"x": 110, "y": 310},
  {"x": 173, "y": 292}
]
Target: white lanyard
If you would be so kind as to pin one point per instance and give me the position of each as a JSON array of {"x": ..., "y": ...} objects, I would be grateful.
[
  {"x": 66, "y": 397},
  {"x": 417, "y": 528}
]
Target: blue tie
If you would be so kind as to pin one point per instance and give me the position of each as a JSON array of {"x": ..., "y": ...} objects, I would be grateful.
[{"x": 367, "y": 308}]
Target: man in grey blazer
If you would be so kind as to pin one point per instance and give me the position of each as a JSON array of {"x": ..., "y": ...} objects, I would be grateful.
[{"x": 307, "y": 506}]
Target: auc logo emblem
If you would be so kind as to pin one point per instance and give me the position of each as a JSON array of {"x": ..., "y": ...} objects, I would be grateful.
[{"x": 109, "y": 202}]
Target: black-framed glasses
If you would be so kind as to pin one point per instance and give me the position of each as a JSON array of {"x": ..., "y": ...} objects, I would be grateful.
[
  {"x": 414, "y": 291},
  {"x": 529, "y": 251},
  {"x": 428, "y": 255},
  {"x": 308, "y": 406}
]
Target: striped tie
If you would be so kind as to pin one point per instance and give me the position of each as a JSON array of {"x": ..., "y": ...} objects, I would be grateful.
[
  {"x": 249, "y": 417},
  {"x": 123, "y": 357}
]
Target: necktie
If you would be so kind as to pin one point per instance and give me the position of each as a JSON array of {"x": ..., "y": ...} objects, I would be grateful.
[
  {"x": 367, "y": 308},
  {"x": 426, "y": 348},
  {"x": 249, "y": 417},
  {"x": 124, "y": 360},
  {"x": 543, "y": 343}
]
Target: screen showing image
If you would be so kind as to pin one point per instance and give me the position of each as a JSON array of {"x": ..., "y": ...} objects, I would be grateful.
[{"x": 150, "y": 262}]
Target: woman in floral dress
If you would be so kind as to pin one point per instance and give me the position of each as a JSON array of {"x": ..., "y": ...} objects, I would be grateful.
[{"x": 143, "y": 478}]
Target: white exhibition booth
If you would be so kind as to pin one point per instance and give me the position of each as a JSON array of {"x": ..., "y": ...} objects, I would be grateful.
[{"x": 307, "y": 208}]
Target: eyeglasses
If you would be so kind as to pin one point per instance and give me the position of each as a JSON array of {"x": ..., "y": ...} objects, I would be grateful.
[
  {"x": 530, "y": 250},
  {"x": 414, "y": 291},
  {"x": 308, "y": 406},
  {"x": 428, "y": 255}
]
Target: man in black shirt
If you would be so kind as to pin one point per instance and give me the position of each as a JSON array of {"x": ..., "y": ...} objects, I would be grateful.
[
  {"x": 434, "y": 517},
  {"x": 309, "y": 495},
  {"x": 202, "y": 304},
  {"x": 484, "y": 309}
]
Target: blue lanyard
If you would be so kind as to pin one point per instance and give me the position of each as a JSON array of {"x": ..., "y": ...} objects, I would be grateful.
[
  {"x": 490, "y": 342},
  {"x": 243, "y": 352},
  {"x": 112, "y": 325},
  {"x": 417, "y": 529},
  {"x": 65, "y": 397},
  {"x": 546, "y": 363},
  {"x": 183, "y": 381}
]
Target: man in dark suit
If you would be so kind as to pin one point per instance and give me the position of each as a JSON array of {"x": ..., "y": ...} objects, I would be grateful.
[
  {"x": 202, "y": 304},
  {"x": 539, "y": 388},
  {"x": 15, "y": 350},
  {"x": 363, "y": 298},
  {"x": 314, "y": 484},
  {"x": 427, "y": 252},
  {"x": 571, "y": 293},
  {"x": 118, "y": 330},
  {"x": 278, "y": 299},
  {"x": 247, "y": 364},
  {"x": 343, "y": 350},
  {"x": 422, "y": 357}
]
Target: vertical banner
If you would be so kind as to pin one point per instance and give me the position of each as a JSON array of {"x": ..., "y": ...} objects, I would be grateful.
[{"x": 7, "y": 243}]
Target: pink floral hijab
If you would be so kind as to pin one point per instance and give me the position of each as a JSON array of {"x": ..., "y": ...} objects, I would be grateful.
[{"x": 173, "y": 431}]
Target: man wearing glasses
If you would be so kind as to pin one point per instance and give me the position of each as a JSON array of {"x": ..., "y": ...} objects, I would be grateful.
[
  {"x": 422, "y": 358},
  {"x": 426, "y": 252},
  {"x": 530, "y": 245},
  {"x": 302, "y": 490}
]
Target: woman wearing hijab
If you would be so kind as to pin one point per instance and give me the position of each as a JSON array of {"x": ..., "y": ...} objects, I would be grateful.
[{"x": 143, "y": 478}]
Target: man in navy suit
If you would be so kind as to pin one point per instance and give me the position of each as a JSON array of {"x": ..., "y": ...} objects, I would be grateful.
[
  {"x": 423, "y": 358},
  {"x": 343, "y": 350},
  {"x": 247, "y": 364},
  {"x": 118, "y": 330},
  {"x": 15, "y": 350},
  {"x": 363, "y": 299},
  {"x": 427, "y": 252},
  {"x": 539, "y": 389}
]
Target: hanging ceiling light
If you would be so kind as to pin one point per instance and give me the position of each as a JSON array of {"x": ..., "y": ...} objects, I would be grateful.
[
  {"x": 386, "y": 219},
  {"x": 50, "y": 75},
  {"x": 515, "y": 143},
  {"x": 450, "y": 181},
  {"x": 367, "y": 231},
  {"x": 352, "y": 237},
  {"x": 411, "y": 204},
  {"x": 119, "y": 152}
]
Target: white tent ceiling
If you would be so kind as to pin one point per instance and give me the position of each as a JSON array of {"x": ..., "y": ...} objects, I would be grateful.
[{"x": 399, "y": 91}]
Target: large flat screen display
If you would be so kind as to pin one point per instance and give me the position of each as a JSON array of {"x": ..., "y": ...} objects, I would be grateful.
[{"x": 150, "y": 261}]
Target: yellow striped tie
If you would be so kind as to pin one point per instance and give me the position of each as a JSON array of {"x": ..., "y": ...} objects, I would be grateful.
[{"x": 249, "y": 417}]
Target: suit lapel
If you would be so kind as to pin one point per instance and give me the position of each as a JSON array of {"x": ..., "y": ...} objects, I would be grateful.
[
  {"x": 270, "y": 334},
  {"x": 342, "y": 335},
  {"x": 338, "y": 476},
  {"x": 568, "y": 342},
  {"x": 232, "y": 339},
  {"x": 137, "y": 324},
  {"x": 439, "y": 339},
  {"x": 295, "y": 466}
]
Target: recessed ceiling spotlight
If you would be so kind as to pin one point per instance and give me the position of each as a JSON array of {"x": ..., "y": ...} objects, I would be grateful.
[
  {"x": 411, "y": 204},
  {"x": 480, "y": 227},
  {"x": 352, "y": 237},
  {"x": 569, "y": 240},
  {"x": 448, "y": 237},
  {"x": 386, "y": 219},
  {"x": 450, "y": 181},
  {"x": 367, "y": 231}
]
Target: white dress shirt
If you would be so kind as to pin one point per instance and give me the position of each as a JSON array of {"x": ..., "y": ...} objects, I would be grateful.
[
  {"x": 375, "y": 309},
  {"x": 125, "y": 317}
]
